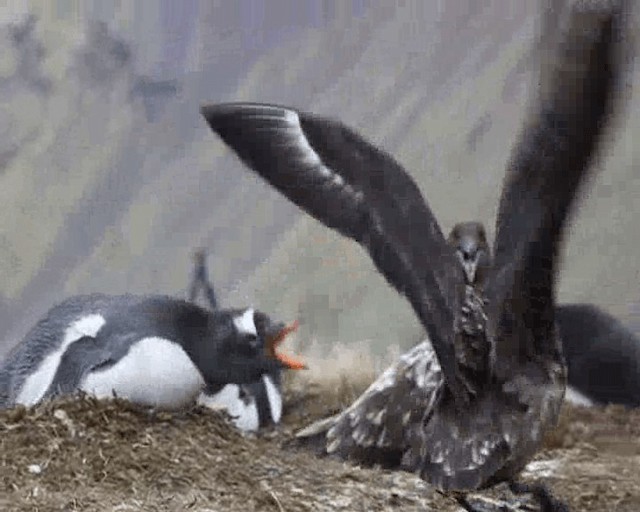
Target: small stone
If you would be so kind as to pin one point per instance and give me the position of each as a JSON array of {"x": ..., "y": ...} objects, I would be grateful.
[
  {"x": 63, "y": 417},
  {"x": 35, "y": 469}
]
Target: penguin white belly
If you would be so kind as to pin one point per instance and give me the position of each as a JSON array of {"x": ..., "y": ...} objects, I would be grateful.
[
  {"x": 242, "y": 409},
  {"x": 155, "y": 372},
  {"x": 38, "y": 382}
]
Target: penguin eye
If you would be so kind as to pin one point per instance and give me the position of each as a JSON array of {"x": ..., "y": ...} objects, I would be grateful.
[{"x": 252, "y": 340}]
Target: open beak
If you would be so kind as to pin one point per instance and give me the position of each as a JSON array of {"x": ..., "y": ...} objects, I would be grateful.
[{"x": 272, "y": 343}]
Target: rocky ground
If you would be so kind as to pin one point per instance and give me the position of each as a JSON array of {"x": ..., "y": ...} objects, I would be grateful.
[{"x": 84, "y": 454}]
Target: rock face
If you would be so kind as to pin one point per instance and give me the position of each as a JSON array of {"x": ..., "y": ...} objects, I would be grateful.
[{"x": 108, "y": 176}]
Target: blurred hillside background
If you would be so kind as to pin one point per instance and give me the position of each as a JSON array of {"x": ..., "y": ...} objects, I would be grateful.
[{"x": 109, "y": 177}]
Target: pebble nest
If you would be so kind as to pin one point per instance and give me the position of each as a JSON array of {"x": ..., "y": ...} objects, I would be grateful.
[{"x": 82, "y": 454}]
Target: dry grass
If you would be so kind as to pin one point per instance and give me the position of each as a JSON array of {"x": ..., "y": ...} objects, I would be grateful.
[
  {"x": 85, "y": 454},
  {"x": 336, "y": 376}
]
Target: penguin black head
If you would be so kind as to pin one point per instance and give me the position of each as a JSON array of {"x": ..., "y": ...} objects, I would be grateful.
[
  {"x": 470, "y": 243},
  {"x": 250, "y": 339},
  {"x": 273, "y": 334}
]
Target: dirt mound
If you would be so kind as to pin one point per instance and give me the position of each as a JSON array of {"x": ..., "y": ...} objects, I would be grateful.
[{"x": 85, "y": 454}]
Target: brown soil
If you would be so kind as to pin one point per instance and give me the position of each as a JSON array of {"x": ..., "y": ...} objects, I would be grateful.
[{"x": 85, "y": 454}]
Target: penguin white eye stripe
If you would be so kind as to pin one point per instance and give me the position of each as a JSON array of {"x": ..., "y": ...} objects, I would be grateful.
[{"x": 245, "y": 323}]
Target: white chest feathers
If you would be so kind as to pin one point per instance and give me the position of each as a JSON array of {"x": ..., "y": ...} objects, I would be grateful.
[
  {"x": 36, "y": 385},
  {"x": 155, "y": 372},
  {"x": 242, "y": 406}
]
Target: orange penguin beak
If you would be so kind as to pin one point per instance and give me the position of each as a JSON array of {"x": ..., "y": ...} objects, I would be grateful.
[{"x": 273, "y": 342}]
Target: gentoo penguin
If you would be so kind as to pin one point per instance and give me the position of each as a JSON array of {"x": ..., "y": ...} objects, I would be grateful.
[
  {"x": 470, "y": 407},
  {"x": 262, "y": 397},
  {"x": 153, "y": 350},
  {"x": 603, "y": 357}
]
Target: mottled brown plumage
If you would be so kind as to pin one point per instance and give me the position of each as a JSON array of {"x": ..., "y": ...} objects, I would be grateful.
[{"x": 469, "y": 406}]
